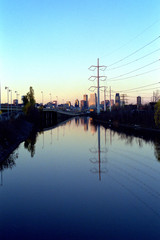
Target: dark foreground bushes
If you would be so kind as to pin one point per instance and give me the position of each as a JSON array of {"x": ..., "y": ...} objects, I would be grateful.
[{"x": 11, "y": 131}]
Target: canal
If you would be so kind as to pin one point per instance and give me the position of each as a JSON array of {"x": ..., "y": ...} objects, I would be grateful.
[{"x": 81, "y": 181}]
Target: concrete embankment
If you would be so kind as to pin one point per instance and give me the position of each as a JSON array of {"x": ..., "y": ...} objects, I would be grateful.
[{"x": 12, "y": 133}]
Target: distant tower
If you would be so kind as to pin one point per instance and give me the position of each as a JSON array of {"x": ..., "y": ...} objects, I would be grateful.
[
  {"x": 117, "y": 99},
  {"x": 93, "y": 99},
  {"x": 138, "y": 101},
  {"x": 112, "y": 102},
  {"x": 85, "y": 98},
  {"x": 68, "y": 103},
  {"x": 77, "y": 103}
]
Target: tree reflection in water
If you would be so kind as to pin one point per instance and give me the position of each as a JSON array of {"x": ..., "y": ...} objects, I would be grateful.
[
  {"x": 157, "y": 149},
  {"x": 131, "y": 136},
  {"x": 8, "y": 163},
  {"x": 29, "y": 144}
]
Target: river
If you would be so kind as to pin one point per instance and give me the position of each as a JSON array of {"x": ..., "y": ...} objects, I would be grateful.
[{"x": 81, "y": 181}]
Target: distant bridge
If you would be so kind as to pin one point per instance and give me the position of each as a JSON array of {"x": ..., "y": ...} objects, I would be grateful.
[
  {"x": 64, "y": 112},
  {"x": 60, "y": 111},
  {"x": 49, "y": 114}
]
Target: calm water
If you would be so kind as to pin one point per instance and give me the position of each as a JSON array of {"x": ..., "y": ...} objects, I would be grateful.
[{"x": 80, "y": 181}]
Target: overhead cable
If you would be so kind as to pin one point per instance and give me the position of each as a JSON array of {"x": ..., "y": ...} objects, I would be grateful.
[
  {"x": 137, "y": 75},
  {"x": 148, "y": 89},
  {"x": 122, "y": 59},
  {"x": 134, "y": 70},
  {"x": 139, "y": 87},
  {"x": 134, "y": 60},
  {"x": 131, "y": 40}
]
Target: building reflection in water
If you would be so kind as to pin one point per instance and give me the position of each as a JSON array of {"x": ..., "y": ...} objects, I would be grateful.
[
  {"x": 93, "y": 128},
  {"x": 85, "y": 122},
  {"x": 98, "y": 160},
  {"x": 77, "y": 121}
]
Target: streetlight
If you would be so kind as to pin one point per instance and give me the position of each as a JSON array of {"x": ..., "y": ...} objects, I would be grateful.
[
  {"x": 57, "y": 100},
  {"x": 11, "y": 99},
  {"x": 7, "y": 99},
  {"x": 42, "y": 97},
  {"x": 50, "y": 97},
  {"x": 16, "y": 99},
  {"x": 0, "y": 98}
]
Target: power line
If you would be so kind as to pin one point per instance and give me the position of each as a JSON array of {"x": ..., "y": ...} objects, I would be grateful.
[
  {"x": 138, "y": 87},
  {"x": 136, "y": 96},
  {"x": 137, "y": 75},
  {"x": 134, "y": 70},
  {"x": 131, "y": 40},
  {"x": 135, "y": 60},
  {"x": 122, "y": 59},
  {"x": 145, "y": 90}
]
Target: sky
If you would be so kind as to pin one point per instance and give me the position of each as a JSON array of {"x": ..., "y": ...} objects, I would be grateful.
[{"x": 50, "y": 45}]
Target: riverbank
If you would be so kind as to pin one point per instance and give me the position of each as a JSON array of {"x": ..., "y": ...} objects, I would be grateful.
[
  {"x": 12, "y": 133},
  {"x": 130, "y": 129}
]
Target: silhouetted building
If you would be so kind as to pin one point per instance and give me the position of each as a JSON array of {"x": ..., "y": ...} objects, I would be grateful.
[
  {"x": 112, "y": 102},
  {"x": 138, "y": 101},
  {"x": 15, "y": 101},
  {"x": 55, "y": 103},
  {"x": 107, "y": 102},
  {"x": 68, "y": 103},
  {"x": 117, "y": 99},
  {"x": 84, "y": 105},
  {"x": 77, "y": 103},
  {"x": 93, "y": 99},
  {"x": 85, "y": 98}
]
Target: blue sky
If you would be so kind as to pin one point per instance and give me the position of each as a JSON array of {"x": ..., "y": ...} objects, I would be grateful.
[{"x": 50, "y": 44}]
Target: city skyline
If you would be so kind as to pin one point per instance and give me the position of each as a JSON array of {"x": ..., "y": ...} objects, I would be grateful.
[{"x": 50, "y": 46}]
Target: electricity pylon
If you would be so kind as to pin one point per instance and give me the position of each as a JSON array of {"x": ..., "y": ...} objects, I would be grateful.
[
  {"x": 124, "y": 99},
  {"x": 98, "y": 77}
]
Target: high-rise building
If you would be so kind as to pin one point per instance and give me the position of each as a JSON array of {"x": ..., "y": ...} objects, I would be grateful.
[
  {"x": 93, "y": 99},
  {"x": 84, "y": 105},
  {"x": 117, "y": 99},
  {"x": 107, "y": 102},
  {"x": 55, "y": 103},
  {"x": 68, "y": 103},
  {"x": 85, "y": 98},
  {"x": 138, "y": 101},
  {"x": 112, "y": 102},
  {"x": 77, "y": 103},
  {"x": 15, "y": 101}
]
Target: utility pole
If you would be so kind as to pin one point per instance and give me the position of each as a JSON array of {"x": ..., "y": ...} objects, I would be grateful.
[
  {"x": 92, "y": 78},
  {"x": 50, "y": 97},
  {"x": 110, "y": 99},
  {"x": 104, "y": 99},
  {"x": 7, "y": 88},
  {"x": 11, "y": 99},
  {"x": 124, "y": 100},
  {"x": 98, "y": 107},
  {"x": 42, "y": 97},
  {"x": 16, "y": 100}
]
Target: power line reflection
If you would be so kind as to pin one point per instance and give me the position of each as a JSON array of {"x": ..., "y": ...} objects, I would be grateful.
[{"x": 101, "y": 159}]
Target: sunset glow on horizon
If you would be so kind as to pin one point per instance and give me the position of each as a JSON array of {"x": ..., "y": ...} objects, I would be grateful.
[{"x": 50, "y": 45}]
